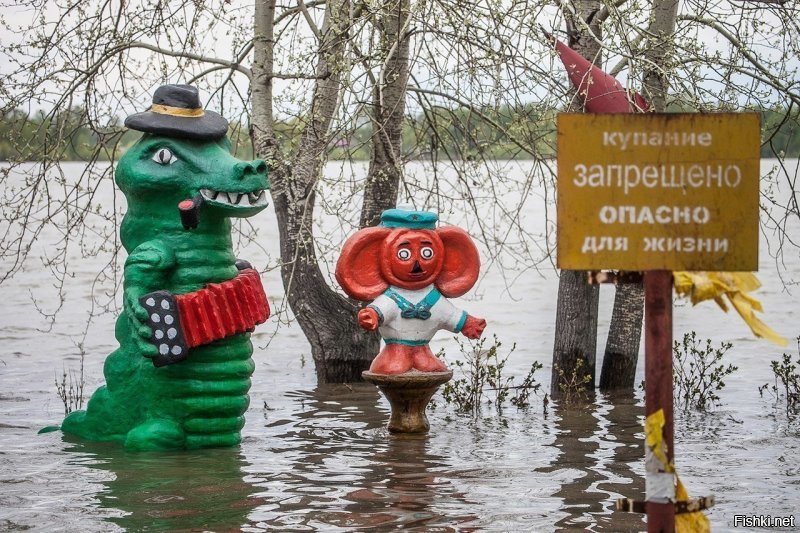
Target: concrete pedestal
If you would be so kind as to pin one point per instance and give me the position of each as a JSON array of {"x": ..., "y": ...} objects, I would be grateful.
[{"x": 409, "y": 394}]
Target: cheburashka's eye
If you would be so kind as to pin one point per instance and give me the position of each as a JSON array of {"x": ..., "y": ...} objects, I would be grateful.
[
  {"x": 426, "y": 252},
  {"x": 404, "y": 254},
  {"x": 164, "y": 157}
]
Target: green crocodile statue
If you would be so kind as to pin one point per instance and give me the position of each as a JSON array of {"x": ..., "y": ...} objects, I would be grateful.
[{"x": 182, "y": 186}]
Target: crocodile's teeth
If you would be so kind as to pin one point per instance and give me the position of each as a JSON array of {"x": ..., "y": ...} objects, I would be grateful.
[
  {"x": 238, "y": 199},
  {"x": 257, "y": 197}
]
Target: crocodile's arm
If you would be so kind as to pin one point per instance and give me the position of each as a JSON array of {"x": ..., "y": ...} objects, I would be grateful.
[{"x": 145, "y": 270}]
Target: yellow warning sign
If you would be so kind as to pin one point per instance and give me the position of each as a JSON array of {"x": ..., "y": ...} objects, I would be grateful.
[{"x": 658, "y": 191}]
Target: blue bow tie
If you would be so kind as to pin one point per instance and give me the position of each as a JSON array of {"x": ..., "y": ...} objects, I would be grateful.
[
  {"x": 416, "y": 312},
  {"x": 421, "y": 310}
]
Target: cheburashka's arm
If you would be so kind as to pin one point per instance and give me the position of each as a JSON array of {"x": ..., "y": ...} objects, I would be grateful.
[
  {"x": 462, "y": 322},
  {"x": 376, "y": 313}
]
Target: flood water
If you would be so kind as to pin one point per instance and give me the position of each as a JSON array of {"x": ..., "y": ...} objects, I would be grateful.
[{"x": 317, "y": 457}]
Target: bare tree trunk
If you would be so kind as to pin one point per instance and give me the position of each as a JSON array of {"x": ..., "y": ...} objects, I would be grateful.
[
  {"x": 341, "y": 349},
  {"x": 624, "y": 335},
  {"x": 262, "y": 130},
  {"x": 389, "y": 95},
  {"x": 576, "y": 331},
  {"x": 576, "y": 310},
  {"x": 622, "y": 347},
  {"x": 659, "y": 52}
]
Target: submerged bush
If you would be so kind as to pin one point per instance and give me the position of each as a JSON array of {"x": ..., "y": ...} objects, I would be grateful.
[
  {"x": 70, "y": 388},
  {"x": 787, "y": 381},
  {"x": 574, "y": 387},
  {"x": 481, "y": 379},
  {"x": 697, "y": 372}
]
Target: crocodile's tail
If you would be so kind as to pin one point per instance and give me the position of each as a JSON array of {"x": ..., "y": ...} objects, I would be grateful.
[
  {"x": 109, "y": 416},
  {"x": 102, "y": 420}
]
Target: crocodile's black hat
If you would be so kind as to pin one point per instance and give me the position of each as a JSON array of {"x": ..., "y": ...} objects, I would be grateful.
[{"x": 177, "y": 112}]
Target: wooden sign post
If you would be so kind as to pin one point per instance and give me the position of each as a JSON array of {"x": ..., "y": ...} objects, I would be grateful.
[
  {"x": 658, "y": 382},
  {"x": 658, "y": 193}
]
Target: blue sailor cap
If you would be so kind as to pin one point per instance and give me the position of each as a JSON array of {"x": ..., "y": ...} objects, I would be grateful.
[{"x": 405, "y": 217}]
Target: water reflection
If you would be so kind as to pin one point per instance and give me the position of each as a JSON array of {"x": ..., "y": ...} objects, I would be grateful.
[
  {"x": 323, "y": 461},
  {"x": 406, "y": 488},
  {"x": 340, "y": 468},
  {"x": 203, "y": 490},
  {"x": 601, "y": 447}
]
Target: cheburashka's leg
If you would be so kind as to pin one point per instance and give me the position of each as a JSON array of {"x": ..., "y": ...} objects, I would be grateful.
[
  {"x": 393, "y": 359},
  {"x": 425, "y": 361}
]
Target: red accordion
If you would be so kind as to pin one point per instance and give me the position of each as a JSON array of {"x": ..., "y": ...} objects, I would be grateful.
[{"x": 219, "y": 310}]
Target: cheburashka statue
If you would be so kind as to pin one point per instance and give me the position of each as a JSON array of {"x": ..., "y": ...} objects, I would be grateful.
[{"x": 408, "y": 268}]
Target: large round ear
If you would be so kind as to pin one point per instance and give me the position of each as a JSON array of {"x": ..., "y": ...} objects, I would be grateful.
[
  {"x": 461, "y": 262},
  {"x": 358, "y": 270}
]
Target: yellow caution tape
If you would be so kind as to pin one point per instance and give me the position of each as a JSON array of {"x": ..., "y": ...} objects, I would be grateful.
[
  {"x": 701, "y": 286},
  {"x": 696, "y": 522},
  {"x": 654, "y": 438}
]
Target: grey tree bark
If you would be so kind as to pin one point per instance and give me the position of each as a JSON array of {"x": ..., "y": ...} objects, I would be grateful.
[
  {"x": 388, "y": 108},
  {"x": 622, "y": 349},
  {"x": 340, "y": 348},
  {"x": 624, "y": 335},
  {"x": 659, "y": 52},
  {"x": 575, "y": 345}
]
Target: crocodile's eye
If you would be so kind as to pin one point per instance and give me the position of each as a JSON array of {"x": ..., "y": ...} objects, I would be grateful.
[{"x": 164, "y": 157}]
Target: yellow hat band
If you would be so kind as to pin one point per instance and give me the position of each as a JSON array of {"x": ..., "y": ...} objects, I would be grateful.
[{"x": 177, "y": 111}]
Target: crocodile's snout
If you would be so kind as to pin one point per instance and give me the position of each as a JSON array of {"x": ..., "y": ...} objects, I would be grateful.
[
  {"x": 246, "y": 169},
  {"x": 239, "y": 189}
]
